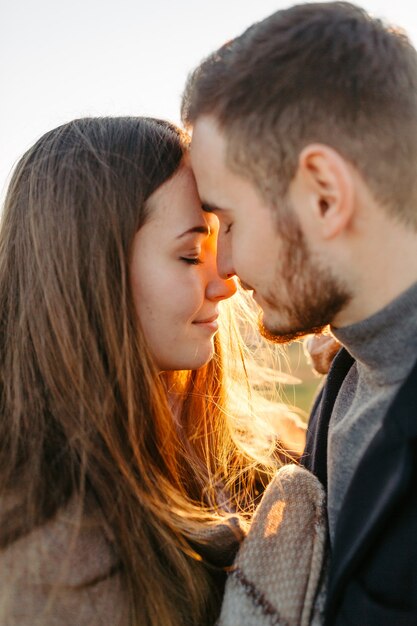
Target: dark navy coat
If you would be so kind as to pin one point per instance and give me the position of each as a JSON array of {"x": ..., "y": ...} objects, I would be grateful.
[{"x": 373, "y": 566}]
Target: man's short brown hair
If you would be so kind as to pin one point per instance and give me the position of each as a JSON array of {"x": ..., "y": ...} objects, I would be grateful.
[{"x": 326, "y": 73}]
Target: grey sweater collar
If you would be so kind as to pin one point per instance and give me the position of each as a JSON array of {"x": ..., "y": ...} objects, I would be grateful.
[{"x": 385, "y": 344}]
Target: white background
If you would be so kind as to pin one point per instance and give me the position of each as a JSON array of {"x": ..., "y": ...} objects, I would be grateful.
[{"x": 61, "y": 59}]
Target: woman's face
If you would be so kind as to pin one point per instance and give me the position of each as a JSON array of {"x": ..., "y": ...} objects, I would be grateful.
[{"x": 176, "y": 287}]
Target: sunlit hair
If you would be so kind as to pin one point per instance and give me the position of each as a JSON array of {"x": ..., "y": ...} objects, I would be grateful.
[
  {"x": 315, "y": 72},
  {"x": 85, "y": 415}
]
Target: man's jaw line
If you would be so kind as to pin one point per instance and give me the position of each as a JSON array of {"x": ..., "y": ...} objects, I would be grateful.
[{"x": 283, "y": 336}]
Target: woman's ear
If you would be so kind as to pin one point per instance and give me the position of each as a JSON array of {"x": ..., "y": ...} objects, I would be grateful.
[{"x": 327, "y": 179}]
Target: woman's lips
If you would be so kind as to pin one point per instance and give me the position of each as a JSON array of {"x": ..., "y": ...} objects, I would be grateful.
[{"x": 210, "y": 323}]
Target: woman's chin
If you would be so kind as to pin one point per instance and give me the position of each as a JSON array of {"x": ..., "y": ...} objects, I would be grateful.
[
  {"x": 202, "y": 355},
  {"x": 200, "y": 361},
  {"x": 190, "y": 361}
]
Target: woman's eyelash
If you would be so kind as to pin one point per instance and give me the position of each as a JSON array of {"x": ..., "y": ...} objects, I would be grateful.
[
  {"x": 191, "y": 260},
  {"x": 228, "y": 228}
]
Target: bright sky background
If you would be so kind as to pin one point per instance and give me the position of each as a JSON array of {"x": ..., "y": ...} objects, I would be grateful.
[{"x": 62, "y": 59}]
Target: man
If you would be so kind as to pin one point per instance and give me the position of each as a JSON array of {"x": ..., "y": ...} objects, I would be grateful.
[{"x": 305, "y": 146}]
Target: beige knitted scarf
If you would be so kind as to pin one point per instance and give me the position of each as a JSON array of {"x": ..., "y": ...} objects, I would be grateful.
[{"x": 278, "y": 576}]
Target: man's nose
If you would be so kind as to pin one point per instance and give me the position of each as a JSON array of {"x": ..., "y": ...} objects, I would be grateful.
[{"x": 224, "y": 259}]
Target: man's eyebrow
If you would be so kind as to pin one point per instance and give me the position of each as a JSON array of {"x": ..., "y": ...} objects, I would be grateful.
[
  {"x": 204, "y": 230},
  {"x": 209, "y": 208}
]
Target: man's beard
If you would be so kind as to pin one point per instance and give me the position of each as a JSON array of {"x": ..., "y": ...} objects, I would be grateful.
[{"x": 307, "y": 296}]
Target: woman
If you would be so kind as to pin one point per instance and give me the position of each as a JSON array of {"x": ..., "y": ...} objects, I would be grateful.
[{"x": 122, "y": 482}]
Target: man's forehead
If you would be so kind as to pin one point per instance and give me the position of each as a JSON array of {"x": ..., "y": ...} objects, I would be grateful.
[
  {"x": 220, "y": 188},
  {"x": 207, "y": 162},
  {"x": 208, "y": 137}
]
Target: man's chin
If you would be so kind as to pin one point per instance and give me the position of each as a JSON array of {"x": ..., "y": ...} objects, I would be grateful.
[{"x": 277, "y": 334}]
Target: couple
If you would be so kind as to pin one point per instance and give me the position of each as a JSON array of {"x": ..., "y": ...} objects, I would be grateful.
[{"x": 123, "y": 473}]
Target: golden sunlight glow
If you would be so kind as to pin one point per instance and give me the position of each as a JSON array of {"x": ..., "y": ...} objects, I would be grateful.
[{"x": 274, "y": 519}]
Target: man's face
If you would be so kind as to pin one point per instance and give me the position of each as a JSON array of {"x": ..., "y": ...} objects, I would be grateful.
[{"x": 263, "y": 245}]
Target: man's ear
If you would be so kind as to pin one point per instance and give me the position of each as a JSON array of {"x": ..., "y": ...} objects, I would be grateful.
[{"x": 328, "y": 181}]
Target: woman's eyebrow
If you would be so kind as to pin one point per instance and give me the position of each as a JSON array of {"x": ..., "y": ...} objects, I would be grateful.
[{"x": 204, "y": 230}]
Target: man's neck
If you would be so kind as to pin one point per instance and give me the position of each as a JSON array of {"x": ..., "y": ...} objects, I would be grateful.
[{"x": 386, "y": 266}]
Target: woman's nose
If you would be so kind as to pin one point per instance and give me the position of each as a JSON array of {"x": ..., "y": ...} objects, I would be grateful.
[{"x": 221, "y": 288}]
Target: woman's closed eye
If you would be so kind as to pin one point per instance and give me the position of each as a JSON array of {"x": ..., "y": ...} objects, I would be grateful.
[{"x": 194, "y": 260}]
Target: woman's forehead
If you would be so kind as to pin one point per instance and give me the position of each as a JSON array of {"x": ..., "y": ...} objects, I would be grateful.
[{"x": 175, "y": 207}]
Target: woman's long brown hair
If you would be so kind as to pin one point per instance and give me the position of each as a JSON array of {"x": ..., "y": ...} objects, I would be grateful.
[{"x": 83, "y": 410}]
